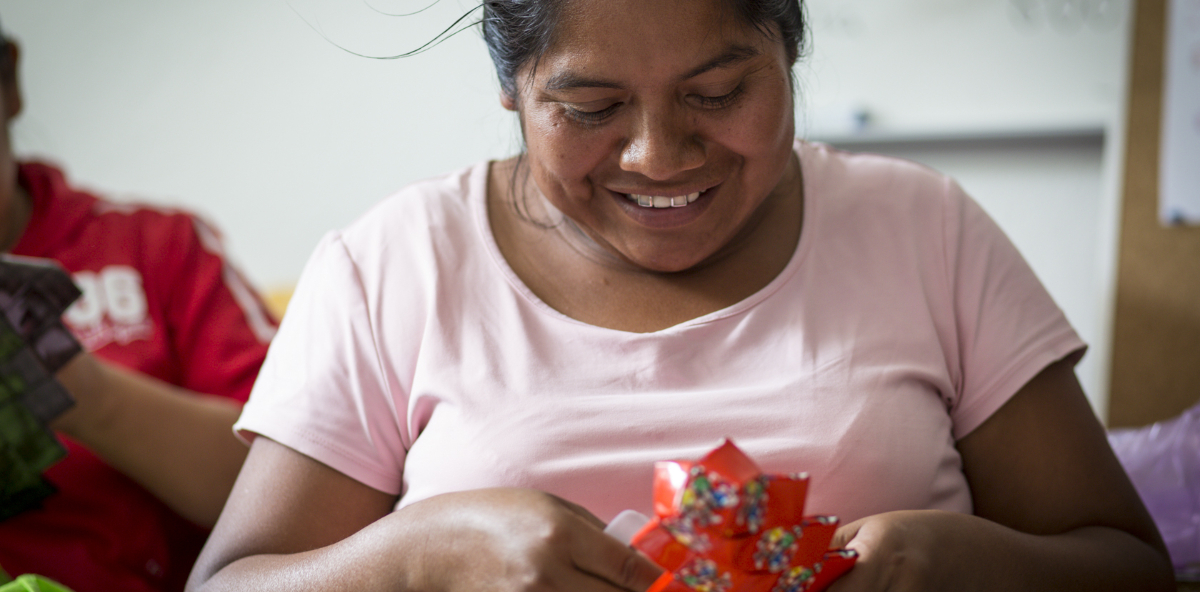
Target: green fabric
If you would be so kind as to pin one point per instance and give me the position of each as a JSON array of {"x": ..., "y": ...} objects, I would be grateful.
[{"x": 32, "y": 583}]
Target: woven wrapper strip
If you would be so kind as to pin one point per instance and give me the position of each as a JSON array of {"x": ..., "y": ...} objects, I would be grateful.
[{"x": 34, "y": 345}]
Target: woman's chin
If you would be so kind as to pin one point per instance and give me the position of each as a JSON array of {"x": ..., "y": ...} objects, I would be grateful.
[{"x": 665, "y": 263}]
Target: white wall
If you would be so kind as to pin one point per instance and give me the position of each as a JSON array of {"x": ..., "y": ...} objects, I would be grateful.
[
  {"x": 241, "y": 110},
  {"x": 238, "y": 109},
  {"x": 923, "y": 66}
]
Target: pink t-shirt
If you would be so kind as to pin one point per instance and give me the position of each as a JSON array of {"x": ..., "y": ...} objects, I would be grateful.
[{"x": 413, "y": 360}]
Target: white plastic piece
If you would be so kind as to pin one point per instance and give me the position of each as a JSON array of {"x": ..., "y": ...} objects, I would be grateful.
[{"x": 625, "y": 525}]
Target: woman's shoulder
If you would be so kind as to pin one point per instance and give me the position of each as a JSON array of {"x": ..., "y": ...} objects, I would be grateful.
[
  {"x": 862, "y": 184},
  {"x": 443, "y": 208},
  {"x": 867, "y": 174}
]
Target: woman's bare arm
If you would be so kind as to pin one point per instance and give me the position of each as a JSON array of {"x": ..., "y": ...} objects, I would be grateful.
[
  {"x": 1054, "y": 510},
  {"x": 293, "y": 523}
]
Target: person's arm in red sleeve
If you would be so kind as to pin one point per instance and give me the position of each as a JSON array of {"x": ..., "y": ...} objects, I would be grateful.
[
  {"x": 177, "y": 444},
  {"x": 177, "y": 441}
]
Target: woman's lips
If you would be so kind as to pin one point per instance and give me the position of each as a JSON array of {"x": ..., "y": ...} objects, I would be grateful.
[{"x": 665, "y": 211}]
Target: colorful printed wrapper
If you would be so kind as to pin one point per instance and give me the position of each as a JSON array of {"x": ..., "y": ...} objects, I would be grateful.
[{"x": 721, "y": 525}]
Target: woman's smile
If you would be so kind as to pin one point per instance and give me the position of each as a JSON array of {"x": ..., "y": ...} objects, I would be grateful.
[
  {"x": 665, "y": 210},
  {"x": 663, "y": 201}
]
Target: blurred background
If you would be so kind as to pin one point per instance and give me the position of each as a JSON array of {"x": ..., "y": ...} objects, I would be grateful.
[{"x": 259, "y": 115}]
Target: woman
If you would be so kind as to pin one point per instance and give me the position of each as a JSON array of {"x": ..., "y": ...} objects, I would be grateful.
[{"x": 665, "y": 266}]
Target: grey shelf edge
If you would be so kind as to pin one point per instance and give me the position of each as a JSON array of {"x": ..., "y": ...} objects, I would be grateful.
[{"x": 1091, "y": 134}]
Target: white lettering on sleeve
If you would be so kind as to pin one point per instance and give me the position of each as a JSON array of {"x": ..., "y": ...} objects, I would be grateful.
[{"x": 256, "y": 315}]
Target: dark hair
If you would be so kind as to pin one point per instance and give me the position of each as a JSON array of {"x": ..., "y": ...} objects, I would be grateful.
[{"x": 518, "y": 31}]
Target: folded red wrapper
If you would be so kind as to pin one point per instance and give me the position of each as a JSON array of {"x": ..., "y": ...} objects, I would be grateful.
[{"x": 721, "y": 525}]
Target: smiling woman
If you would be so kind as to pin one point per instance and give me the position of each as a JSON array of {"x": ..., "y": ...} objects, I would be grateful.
[
  {"x": 653, "y": 149},
  {"x": 475, "y": 376}
]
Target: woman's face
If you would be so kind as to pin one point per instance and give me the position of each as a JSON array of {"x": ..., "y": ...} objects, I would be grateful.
[{"x": 641, "y": 104}]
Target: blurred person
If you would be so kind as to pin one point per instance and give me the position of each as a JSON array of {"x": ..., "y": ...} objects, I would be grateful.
[{"x": 173, "y": 339}]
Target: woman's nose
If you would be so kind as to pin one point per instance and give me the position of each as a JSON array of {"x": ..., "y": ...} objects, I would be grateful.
[{"x": 661, "y": 145}]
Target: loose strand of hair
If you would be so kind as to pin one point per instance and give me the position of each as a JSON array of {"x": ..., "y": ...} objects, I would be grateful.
[
  {"x": 447, "y": 33},
  {"x": 372, "y": 7}
]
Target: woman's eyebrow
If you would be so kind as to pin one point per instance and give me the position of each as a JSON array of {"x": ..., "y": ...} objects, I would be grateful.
[
  {"x": 735, "y": 54},
  {"x": 570, "y": 80}
]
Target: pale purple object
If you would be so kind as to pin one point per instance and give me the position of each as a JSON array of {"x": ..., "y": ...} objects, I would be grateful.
[{"x": 1163, "y": 461}]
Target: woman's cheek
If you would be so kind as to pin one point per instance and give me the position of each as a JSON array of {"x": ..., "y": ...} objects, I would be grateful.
[
  {"x": 578, "y": 153},
  {"x": 763, "y": 123}
]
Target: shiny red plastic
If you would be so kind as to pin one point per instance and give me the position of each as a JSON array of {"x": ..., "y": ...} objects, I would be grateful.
[{"x": 721, "y": 525}]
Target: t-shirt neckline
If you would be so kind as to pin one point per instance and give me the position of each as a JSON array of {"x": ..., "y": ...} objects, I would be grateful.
[{"x": 478, "y": 191}]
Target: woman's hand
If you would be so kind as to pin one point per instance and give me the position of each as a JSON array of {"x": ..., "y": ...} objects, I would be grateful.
[
  {"x": 519, "y": 540},
  {"x": 918, "y": 550},
  {"x": 292, "y": 523}
]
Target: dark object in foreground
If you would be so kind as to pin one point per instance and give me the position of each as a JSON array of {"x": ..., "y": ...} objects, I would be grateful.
[{"x": 34, "y": 345}]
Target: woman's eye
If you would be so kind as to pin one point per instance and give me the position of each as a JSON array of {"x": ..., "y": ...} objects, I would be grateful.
[
  {"x": 591, "y": 117},
  {"x": 719, "y": 102}
]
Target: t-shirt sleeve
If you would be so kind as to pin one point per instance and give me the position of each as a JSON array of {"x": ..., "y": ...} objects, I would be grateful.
[
  {"x": 219, "y": 327},
  {"x": 322, "y": 390},
  {"x": 1009, "y": 328}
]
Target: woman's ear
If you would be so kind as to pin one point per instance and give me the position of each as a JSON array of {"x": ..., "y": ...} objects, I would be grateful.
[{"x": 507, "y": 101}]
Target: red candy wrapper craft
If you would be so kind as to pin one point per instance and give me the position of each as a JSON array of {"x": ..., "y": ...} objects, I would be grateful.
[{"x": 721, "y": 525}]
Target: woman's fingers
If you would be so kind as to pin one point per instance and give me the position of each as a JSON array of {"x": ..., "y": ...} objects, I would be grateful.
[
  {"x": 619, "y": 565},
  {"x": 862, "y": 576},
  {"x": 844, "y": 534},
  {"x": 606, "y": 558},
  {"x": 520, "y": 540},
  {"x": 911, "y": 551}
]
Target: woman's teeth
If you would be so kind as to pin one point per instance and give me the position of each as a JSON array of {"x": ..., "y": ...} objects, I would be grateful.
[{"x": 660, "y": 201}]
